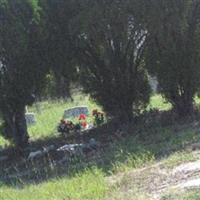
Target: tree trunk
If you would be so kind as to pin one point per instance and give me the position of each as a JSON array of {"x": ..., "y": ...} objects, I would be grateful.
[
  {"x": 21, "y": 128},
  {"x": 184, "y": 106},
  {"x": 15, "y": 127},
  {"x": 8, "y": 128},
  {"x": 62, "y": 87},
  {"x": 126, "y": 113}
]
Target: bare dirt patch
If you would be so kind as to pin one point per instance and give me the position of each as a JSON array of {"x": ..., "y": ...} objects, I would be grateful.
[{"x": 155, "y": 180}]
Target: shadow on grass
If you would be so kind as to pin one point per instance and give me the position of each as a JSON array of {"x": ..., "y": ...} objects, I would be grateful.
[{"x": 138, "y": 144}]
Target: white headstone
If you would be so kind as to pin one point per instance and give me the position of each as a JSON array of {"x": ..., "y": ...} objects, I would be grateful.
[
  {"x": 153, "y": 82},
  {"x": 75, "y": 111},
  {"x": 30, "y": 118}
]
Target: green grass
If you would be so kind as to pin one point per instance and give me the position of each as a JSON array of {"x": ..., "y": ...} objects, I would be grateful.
[
  {"x": 88, "y": 185},
  {"x": 132, "y": 152},
  {"x": 49, "y": 113},
  {"x": 145, "y": 146},
  {"x": 4, "y": 142},
  {"x": 158, "y": 102}
]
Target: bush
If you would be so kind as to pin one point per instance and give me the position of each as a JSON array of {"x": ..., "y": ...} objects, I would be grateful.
[{"x": 111, "y": 43}]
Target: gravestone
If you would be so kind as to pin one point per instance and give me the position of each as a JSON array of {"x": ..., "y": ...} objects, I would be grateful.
[
  {"x": 30, "y": 118},
  {"x": 153, "y": 82},
  {"x": 75, "y": 111}
]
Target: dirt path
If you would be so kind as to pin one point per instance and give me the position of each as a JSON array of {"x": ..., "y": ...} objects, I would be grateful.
[{"x": 157, "y": 179}]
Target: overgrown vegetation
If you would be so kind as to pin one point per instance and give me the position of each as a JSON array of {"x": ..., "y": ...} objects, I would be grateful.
[
  {"x": 112, "y": 42},
  {"x": 110, "y": 50},
  {"x": 49, "y": 113},
  {"x": 22, "y": 68},
  {"x": 173, "y": 53},
  {"x": 87, "y": 178}
]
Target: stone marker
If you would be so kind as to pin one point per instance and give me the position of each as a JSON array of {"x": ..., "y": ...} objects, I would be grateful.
[
  {"x": 93, "y": 143},
  {"x": 40, "y": 153},
  {"x": 30, "y": 118},
  {"x": 68, "y": 147},
  {"x": 153, "y": 82},
  {"x": 48, "y": 149},
  {"x": 79, "y": 148},
  {"x": 35, "y": 154},
  {"x": 75, "y": 111}
]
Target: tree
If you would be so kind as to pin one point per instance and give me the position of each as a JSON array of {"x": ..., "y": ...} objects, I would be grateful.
[
  {"x": 22, "y": 65},
  {"x": 58, "y": 16},
  {"x": 174, "y": 50},
  {"x": 111, "y": 46}
]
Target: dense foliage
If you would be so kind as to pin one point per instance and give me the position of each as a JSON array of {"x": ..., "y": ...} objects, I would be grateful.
[
  {"x": 22, "y": 69},
  {"x": 111, "y": 50},
  {"x": 58, "y": 17},
  {"x": 109, "y": 46},
  {"x": 174, "y": 50}
]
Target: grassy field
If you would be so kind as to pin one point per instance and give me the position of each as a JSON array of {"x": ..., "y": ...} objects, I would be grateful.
[
  {"x": 49, "y": 113},
  {"x": 163, "y": 144},
  {"x": 87, "y": 185},
  {"x": 157, "y": 101},
  {"x": 95, "y": 180},
  {"x": 166, "y": 145}
]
